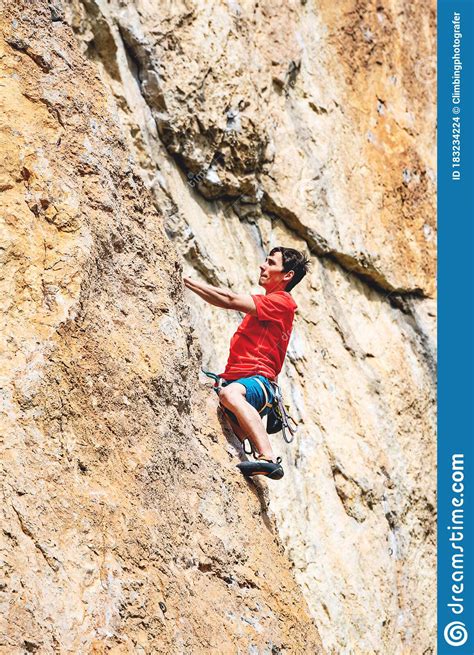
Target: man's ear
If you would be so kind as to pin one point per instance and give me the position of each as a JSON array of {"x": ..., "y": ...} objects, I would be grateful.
[{"x": 287, "y": 277}]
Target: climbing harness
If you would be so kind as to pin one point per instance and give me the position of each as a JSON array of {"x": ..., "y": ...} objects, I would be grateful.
[
  {"x": 218, "y": 385},
  {"x": 278, "y": 418},
  {"x": 267, "y": 404}
]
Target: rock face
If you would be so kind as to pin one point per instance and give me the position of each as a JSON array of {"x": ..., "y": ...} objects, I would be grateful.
[
  {"x": 126, "y": 527},
  {"x": 144, "y": 140}
]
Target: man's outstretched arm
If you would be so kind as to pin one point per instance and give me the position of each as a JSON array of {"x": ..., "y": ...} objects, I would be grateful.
[{"x": 224, "y": 298}]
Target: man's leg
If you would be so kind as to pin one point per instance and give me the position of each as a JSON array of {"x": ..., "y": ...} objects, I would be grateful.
[
  {"x": 233, "y": 397},
  {"x": 236, "y": 429},
  {"x": 241, "y": 434}
]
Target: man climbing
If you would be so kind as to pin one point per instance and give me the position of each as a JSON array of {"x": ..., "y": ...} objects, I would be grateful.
[{"x": 257, "y": 351}]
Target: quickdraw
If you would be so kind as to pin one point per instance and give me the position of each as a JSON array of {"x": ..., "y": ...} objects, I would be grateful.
[
  {"x": 283, "y": 416},
  {"x": 218, "y": 380}
]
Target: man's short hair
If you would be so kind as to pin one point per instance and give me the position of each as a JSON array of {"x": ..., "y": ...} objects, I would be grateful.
[{"x": 293, "y": 260}]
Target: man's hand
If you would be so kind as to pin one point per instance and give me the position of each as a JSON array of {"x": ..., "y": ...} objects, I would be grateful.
[{"x": 223, "y": 298}]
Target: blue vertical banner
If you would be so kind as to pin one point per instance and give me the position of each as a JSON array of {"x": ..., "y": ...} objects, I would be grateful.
[{"x": 455, "y": 327}]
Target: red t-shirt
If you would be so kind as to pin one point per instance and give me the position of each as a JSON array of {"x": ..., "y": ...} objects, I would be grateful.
[{"x": 259, "y": 345}]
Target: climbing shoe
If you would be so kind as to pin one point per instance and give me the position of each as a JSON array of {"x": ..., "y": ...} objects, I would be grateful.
[{"x": 273, "y": 470}]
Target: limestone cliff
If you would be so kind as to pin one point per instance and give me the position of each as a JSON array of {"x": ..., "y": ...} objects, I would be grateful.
[
  {"x": 143, "y": 139},
  {"x": 126, "y": 528}
]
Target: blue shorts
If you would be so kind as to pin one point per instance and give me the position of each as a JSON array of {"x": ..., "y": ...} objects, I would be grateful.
[{"x": 254, "y": 394}]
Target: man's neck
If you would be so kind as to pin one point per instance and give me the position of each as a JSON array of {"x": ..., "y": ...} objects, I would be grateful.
[{"x": 279, "y": 287}]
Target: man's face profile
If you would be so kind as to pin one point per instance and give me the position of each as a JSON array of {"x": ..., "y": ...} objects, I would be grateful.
[{"x": 271, "y": 271}]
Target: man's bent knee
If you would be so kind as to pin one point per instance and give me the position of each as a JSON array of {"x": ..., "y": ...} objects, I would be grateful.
[{"x": 232, "y": 395}]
